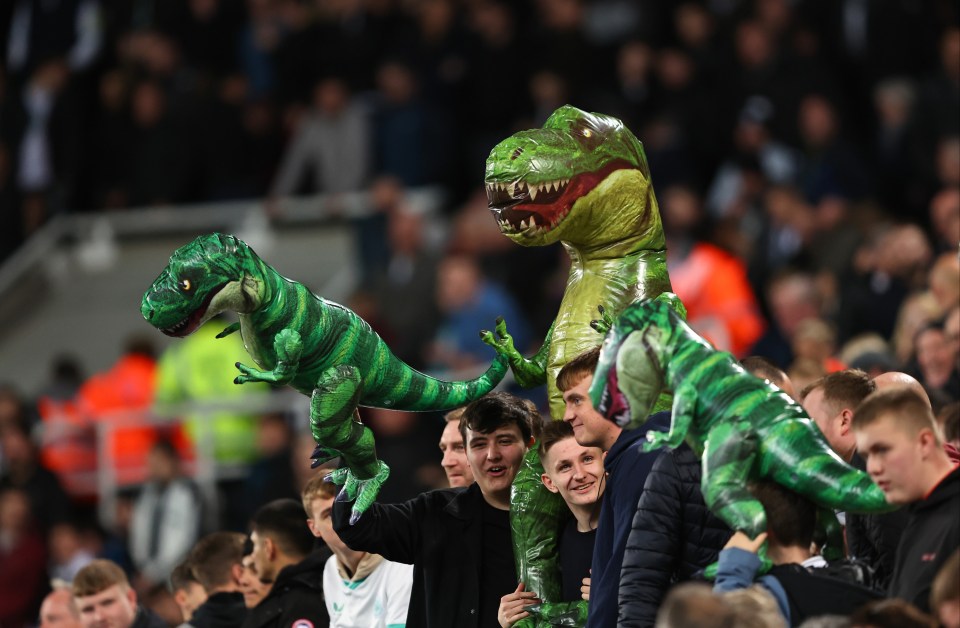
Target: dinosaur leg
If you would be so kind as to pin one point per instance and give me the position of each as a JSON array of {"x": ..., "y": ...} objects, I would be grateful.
[
  {"x": 332, "y": 423},
  {"x": 572, "y": 614},
  {"x": 536, "y": 519},
  {"x": 728, "y": 460},
  {"x": 684, "y": 404}
]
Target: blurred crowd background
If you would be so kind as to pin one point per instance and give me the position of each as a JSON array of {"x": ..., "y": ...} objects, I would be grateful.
[{"x": 805, "y": 155}]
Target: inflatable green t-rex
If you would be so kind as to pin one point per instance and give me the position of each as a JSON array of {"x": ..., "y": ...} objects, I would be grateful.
[
  {"x": 744, "y": 427},
  {"x": 318, "y": 347},
  {"x": 582, "y": 180}
]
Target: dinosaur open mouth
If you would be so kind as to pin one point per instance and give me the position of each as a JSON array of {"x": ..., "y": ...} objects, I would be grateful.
[
  {"x": 532, "y": 208},
  {"x": 189, "y": 325}
]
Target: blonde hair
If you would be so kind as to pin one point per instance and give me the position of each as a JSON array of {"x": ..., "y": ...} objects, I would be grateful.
[
  {"x": 315, "y": 488},
  {"x": 755, "y": 607}
]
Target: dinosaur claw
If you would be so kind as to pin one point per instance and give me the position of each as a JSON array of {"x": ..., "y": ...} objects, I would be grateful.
[
  {"x": 601, "y": 309},
  {"x": 316, "y": 463},
  {"x": 499, "y": 320},
  {"x": 354, "y": 517}
]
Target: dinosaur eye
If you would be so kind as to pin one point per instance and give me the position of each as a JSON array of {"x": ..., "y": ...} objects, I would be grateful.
[
  {"x": 587, "y": 133},
  {"x": 186, "y": 285}
]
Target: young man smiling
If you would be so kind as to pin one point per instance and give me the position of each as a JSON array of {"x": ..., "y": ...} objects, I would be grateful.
[
  {"x": 576, "y": 473},
  {"x": 899, "y": 439},
  {"x": 626, "y": 465},
  {"x": 458, "y": 540}
]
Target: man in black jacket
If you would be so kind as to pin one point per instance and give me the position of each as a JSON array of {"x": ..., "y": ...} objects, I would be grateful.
[
  {"x": 898, "y": 436},
  {"x": 216, "y": 564},
  {"x": 283, "y": 553},
  {"x": 674, "y": 535},
  {"x": 458, "y": 540}
]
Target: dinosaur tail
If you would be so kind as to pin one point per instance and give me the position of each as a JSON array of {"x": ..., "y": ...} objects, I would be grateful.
[
  {"x": 808, "y": 466},
  {"x": 405, "y": 388}
]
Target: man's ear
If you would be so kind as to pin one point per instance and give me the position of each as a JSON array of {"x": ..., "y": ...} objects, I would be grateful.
[
  {"x": 236, "y": 572},
  {"x": 549, "y": 483},
  {"x": 269, "y": 548},
  {"x": 927, "y": 441},
  {"x": 313, "y": 528},
  {"x": 132, "y": 596},
  {"x": 846, "y": 420}
]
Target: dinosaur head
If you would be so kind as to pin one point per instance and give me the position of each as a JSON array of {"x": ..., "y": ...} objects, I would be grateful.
[
  {"x": 539, "y": 182},
  {"x": 630, "y": 374},
  {"x": 212, "y": 274}
]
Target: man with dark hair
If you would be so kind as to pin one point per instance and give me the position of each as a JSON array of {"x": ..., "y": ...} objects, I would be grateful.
[
  {"x": 831, "y": 401},
  {"x": 283, "y": 553},
  {"x": 103, "y": 597},
  {"x": 801, "y": 592},
  {"x": 626, "y": 465},
  {"x": 458, "y": 540},
  {"x": 216, "y": 563},
  {"x": 897, "y": 435}
]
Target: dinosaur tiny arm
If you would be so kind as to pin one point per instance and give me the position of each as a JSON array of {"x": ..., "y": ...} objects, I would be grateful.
[
  {"x": 529, "y": 373},
  {"x": 288, "y": 346}
]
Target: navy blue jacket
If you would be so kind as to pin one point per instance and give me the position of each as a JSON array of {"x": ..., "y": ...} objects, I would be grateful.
[
  {"x": 673, "y": 536},
  {"x": 627, "y": 467}
]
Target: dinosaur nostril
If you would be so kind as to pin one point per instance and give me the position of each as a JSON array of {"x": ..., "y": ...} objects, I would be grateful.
[{"x": 516, "y": 154}]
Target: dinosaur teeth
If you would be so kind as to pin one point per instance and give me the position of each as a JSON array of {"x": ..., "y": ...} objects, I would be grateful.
[
  {"x": 510, "y": 188},
  {"x": 533, "y": 192}
]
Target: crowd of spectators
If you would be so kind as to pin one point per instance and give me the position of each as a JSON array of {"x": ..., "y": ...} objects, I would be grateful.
[{"x": 805, "y": 154}]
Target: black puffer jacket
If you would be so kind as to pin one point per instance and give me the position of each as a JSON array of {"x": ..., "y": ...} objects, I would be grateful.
[{"x": 674, "y": 535}]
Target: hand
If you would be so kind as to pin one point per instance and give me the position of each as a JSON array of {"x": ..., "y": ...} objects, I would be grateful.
[
  {"x": 585, "y": 588},
  {"x": 741, "y": 541},
  {"x": 512, "y": 605}
]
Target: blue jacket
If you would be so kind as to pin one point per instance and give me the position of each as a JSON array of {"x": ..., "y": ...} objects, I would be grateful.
[{"x": 627, "y": 467}]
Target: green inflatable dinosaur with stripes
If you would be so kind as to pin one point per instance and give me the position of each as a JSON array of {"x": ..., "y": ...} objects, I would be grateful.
[
  {"x": 297, "y": 338},
  {"x": 745, "y": 428}
]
